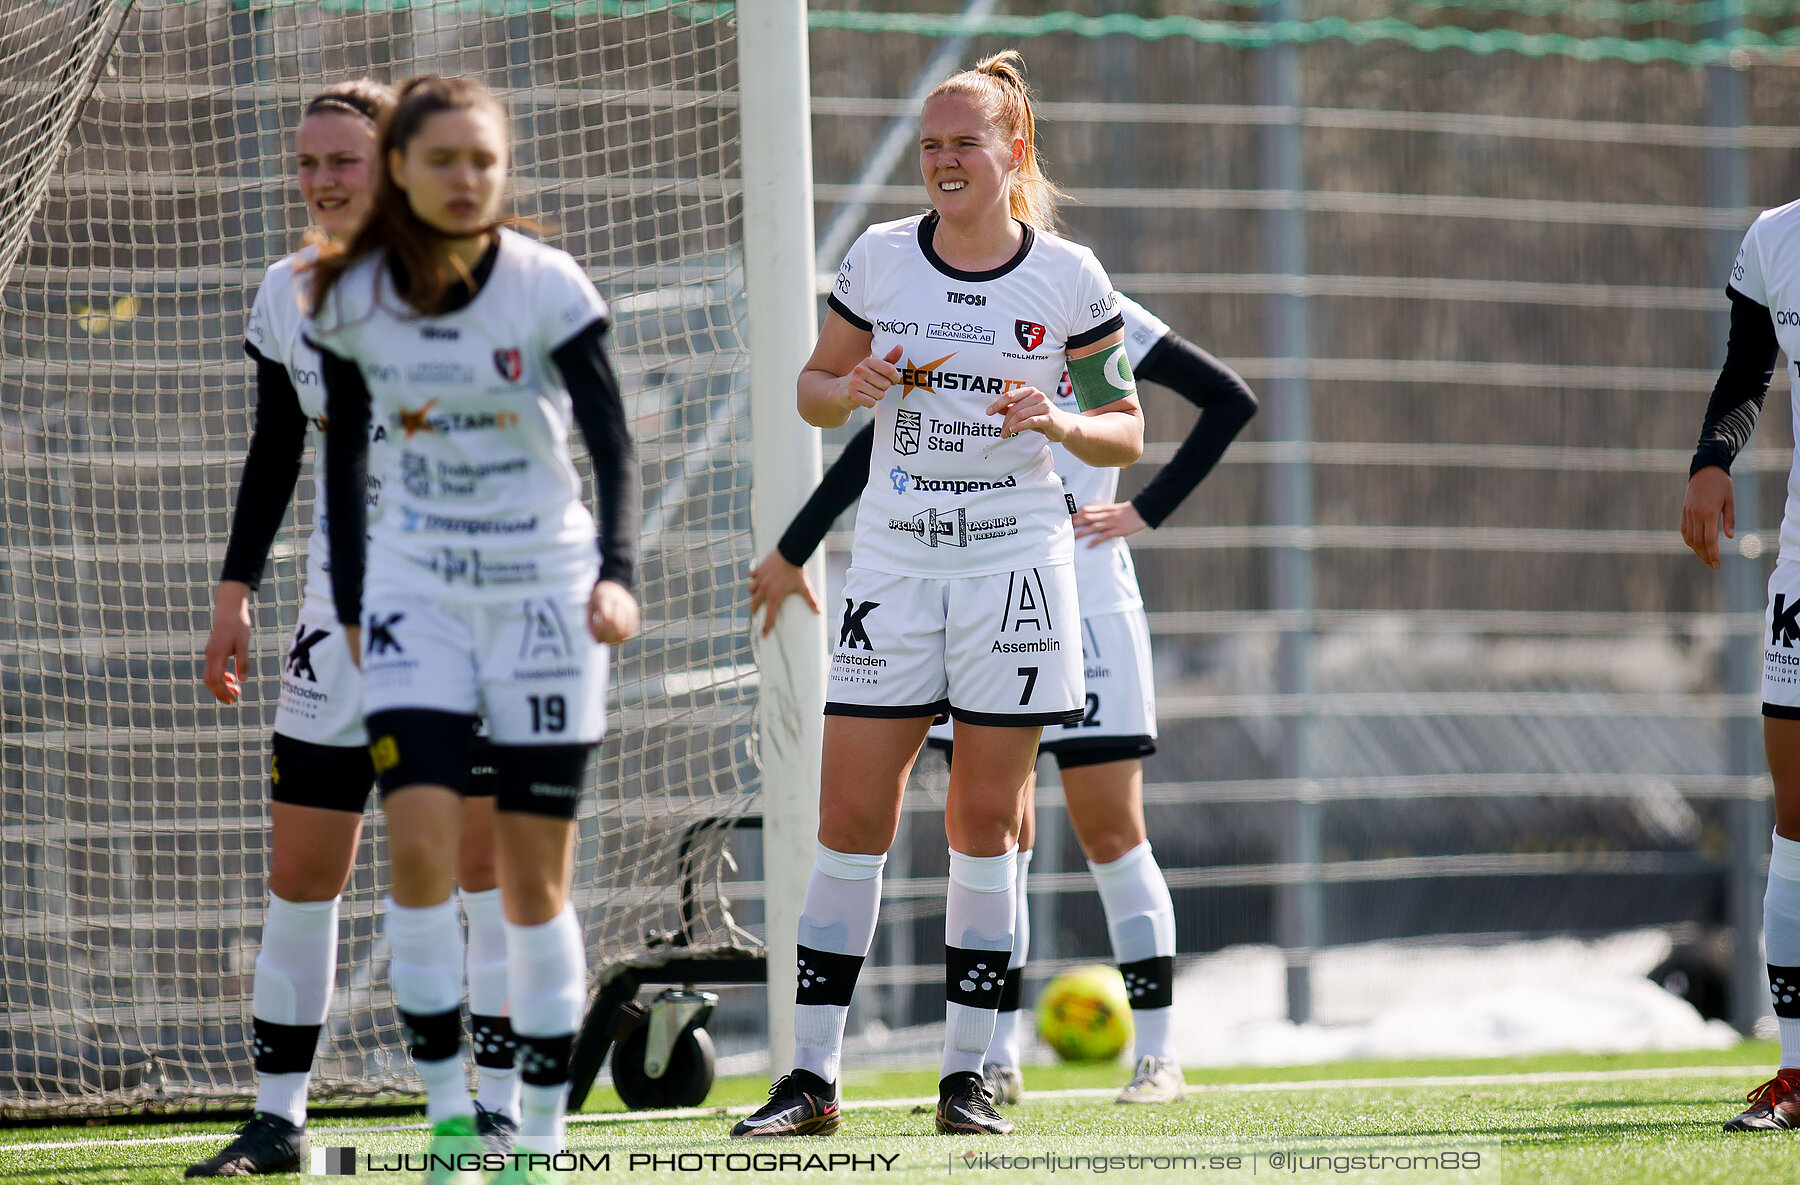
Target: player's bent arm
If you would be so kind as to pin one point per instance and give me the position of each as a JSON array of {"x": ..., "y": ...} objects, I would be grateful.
[
  {"x": 1226, "y": 404},
  {"x": 346, "y": 480},
  {"x": 1109, "y": 432},
  {"x": 600, "y": 414},
  {"x": 841, "y": 376}
]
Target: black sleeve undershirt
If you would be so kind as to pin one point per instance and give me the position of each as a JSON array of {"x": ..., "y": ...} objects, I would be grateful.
[
  {"x": 1226, "y": 404},
  {"x": 600, "y": 413},
  {"x": 346, "y": 480},
  {"x": 271, "y": 467},
  {"x": 1743, "y": 383},
  {"x": 837, "y": 491}
]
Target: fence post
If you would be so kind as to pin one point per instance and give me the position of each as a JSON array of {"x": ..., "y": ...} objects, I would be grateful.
[{"x": 1299, "y": 912}]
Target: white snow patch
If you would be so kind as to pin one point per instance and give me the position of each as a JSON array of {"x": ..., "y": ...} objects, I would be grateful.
[{"x": 1416, "y": 1000}]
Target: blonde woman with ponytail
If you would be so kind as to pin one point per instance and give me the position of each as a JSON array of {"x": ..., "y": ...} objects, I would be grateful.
[{"x": 955, "y": 327}]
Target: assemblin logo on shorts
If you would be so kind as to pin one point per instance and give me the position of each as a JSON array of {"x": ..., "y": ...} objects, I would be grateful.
[
  {"x": 953, "y": 528},
  {"x": 1039, "y": 646}
]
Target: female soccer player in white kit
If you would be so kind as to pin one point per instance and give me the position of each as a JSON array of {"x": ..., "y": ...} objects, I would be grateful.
[
  {"x": 955, "y": 327},
  {"x": 319, "y": 770},
  {"x": 476, "y": 349},
  {"x": 1764, "y": 290},
  {"x": 1100, "y": 757}
]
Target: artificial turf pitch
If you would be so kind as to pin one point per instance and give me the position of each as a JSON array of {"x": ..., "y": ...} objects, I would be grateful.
[{"x": 1587, "y": 1119}]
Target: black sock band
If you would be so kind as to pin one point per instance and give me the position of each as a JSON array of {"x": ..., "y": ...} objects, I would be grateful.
[
  {"x": 432, "y": 1036},
  {"x": 825, "y": 977},
  {"x": 544, "y": 1061},
  {"x": 494, "y": 1042},
  {"x": 1150, "y": 983},
  {"x": 282, "y": 1049},
  {"x": 1009, "y": 995},
  {"x": 975, "y": 978},
  {"x": 1784, "y": 988}
]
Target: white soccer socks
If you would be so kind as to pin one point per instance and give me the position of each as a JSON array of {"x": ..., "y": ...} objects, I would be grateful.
[
  {"x": 1004, "y": 1048},
  {"x": 1140, "y": 918},
  {"x": 837, "y": 924},
  {"x": 1781, "y": 943},
  {"x": 979, "y": 915},
  {"x": 425, "y": 967},
  {"x": 291, "y": 994},
  {"x": 547, "y": 988},
  {"x": 497, "y": 1079}
]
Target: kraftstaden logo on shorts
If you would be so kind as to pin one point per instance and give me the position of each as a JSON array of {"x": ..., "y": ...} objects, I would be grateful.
[
  {"x": 956, "y": 331},
  {"x": 954, "y": 528}
]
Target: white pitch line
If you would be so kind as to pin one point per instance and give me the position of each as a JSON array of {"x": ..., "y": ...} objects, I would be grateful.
[{"x": 1536, "y": 1078}]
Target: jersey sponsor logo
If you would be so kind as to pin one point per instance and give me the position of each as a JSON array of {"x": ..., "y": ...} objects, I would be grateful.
[
  {"x": 973, "y": 298},
  {"x": 957, "y": 331},
  {"x": 411, "y": 521},
  {"x": 428, "y": 420},
  {"x": 438, "y": 372},
  {"x": 381, "y": 634},
  {"x": 510, "y": 363},
  {"x": 456, "y": 565},
  {"x": 1100, "y": 308},
  {"x": 1029, "y": 335},
  {"x": 1784, "y": 629},
  {"x": 1787, "y": 317},
  {"x": 853, "y": 633},
  {"x": 380, "y": 372},
  {"x": 439, "y": 333},
  {"x": 906, "y": 433},
  {"x": 843, "y": 277},
  {"x": 299, "y": 658},
  {"x": 304, "y": 376},
  {"x": 953, "y": 528},
  {"x": 911, "y": 327},
  {"x": 1737, "y": 266},
  {"x": 927, "y": 377},
  {"x": 545, "y": 635},
  {"x": 1037, "y": 646},
  {"x": 901, "y": 479},
  {"x": 453, "y": 479},
  {"x": 950, "y": 485},
  {"x": 1026, "y": 603}
]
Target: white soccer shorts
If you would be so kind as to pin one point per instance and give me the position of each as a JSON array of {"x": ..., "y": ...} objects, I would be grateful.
[
  {"x": 1781, "y": 643},
  {"x": 529, "y": 666},
  {"x": 321, "y": 690},
  {"x": 1121, "y": 699},
  {"x": 1003, "y": 649}
]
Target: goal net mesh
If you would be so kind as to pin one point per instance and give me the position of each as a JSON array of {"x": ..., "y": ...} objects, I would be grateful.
[{"x": 133, "y": 838}]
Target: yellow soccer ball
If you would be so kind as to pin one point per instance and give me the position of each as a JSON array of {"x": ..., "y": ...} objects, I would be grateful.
[{"x": 1085, "y": 1015}]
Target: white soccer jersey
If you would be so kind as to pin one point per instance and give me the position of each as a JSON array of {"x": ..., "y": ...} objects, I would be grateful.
[
  {"x": 1768, "y": 271},
  {"x": 480, "y": 500},
  {"x": 1104, "y": 576},
  {"x": 277, "y": 330},
  {"x": 946, "y": 495}
]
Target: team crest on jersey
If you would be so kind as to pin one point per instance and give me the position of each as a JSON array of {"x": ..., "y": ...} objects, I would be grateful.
[
  {"x": 510, "y": 363},
  {"x": 906, "y": 432},
  {"x": 1029, "y": 334}
]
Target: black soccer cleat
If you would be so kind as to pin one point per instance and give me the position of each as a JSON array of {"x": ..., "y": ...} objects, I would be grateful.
[
  {"x": 964, "y": 1108},
  {"x": 267, "y": 1144},
  {"x": 1774, "y": 1106},
  {"x": 496, "y": 1129},
  {"x": 800, "y": 1104}
]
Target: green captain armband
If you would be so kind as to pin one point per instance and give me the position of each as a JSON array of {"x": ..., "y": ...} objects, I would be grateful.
[{"x": 1102, "y": 377}]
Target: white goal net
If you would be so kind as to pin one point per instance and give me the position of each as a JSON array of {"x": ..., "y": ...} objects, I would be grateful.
[{"x": 133, "y": 846}]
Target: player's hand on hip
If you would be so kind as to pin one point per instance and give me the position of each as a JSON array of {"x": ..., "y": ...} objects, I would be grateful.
[
  {"x": 1710, "y": 504},
  {"x": 1107, "y": 520},
  {"x": 612, "y": 613},
  {"x": 869, "y": 379},
  {"x": 228, "y": 644},
  {"x": 772, "y": 582},
  {"x": 1027, "y": 409}
]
